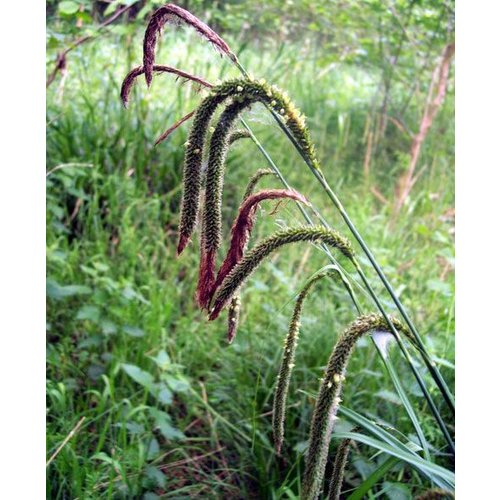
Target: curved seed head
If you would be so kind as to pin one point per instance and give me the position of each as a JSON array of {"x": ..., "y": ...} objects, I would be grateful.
[
  {"x": 173, "y": 13},
  {"x": 192, "y": 169},
  {"x": 243, "y": 225},
  {"x": 287, "y": 361},
  {"x": 129, "y": 80},
  {"x": 235, "y": 279},
  {"x": 212, "y": 210},
  {"x": 327, "y": 403},
  {"x": 252, "y": 91}
]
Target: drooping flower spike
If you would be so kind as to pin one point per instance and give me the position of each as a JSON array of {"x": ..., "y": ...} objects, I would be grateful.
[
  {"x": 129, "y": 80},
  {"x": 242, "y": 229},
  {"x": 328, "y": 399},
  {"x": 244, "y": 93},
  {"x": 288, "y": 359},
  {"x": 339, "y": 464},
  {"x": 234, "y": 309},
  {"x": 212, "y": 209},
  {"x": 252, "y": 259},
  {"x": 174, "y": 14}
]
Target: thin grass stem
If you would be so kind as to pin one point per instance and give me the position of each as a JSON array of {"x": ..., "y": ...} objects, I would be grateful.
[
  {"x": 392, "y": 373},
  {"x": 436, "y": 375}
]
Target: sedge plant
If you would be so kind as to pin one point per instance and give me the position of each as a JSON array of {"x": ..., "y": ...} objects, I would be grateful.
[{"x": 219, "y": 289}]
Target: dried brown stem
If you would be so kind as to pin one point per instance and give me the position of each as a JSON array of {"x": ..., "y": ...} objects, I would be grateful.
[{"x": 435, "y": 98}]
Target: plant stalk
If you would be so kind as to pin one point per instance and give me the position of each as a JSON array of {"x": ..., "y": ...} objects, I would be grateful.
[{"x": 436, "y": 375}]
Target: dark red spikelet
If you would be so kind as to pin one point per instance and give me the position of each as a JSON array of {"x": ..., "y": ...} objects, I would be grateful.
[
  {"x": 206, "y": 279},
  {"x": 173, "y": 13},
  {"x": 243, "y": 225},
  {"x": 129, "y": 80},
  {"x": 183, "y": 241}
]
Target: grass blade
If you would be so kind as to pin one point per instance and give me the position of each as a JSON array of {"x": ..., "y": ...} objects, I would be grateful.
[{"x": 441, "y": 476}]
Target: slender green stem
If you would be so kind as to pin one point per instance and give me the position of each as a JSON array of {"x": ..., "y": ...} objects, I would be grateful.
[
  {"x": 299, "y": 205},
  {"x": 430, "y": 365},
  {"x": 410, "y": 361},
  {"x": 345, "y": 281},
  {"x": 436, "y": 375}
]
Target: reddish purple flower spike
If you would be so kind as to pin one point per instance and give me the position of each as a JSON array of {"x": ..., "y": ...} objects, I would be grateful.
[
  {"x": 129, "y": 80},
  {"x": 241, "y": 231},
  {"x": 206, "y": 278},
  {"x": 174, "y": 127},
  {"x": 183, "y": 241},
  {"x": 173, "y": 13}
]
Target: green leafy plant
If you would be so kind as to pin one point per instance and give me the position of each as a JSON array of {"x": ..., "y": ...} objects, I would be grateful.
[{"x": 219, "y": 290}]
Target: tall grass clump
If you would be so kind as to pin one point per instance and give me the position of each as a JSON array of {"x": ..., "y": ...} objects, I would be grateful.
[{"x": 219, "y": 286}]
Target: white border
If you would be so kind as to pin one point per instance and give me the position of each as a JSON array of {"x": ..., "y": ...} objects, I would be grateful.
[
  {"x": 22, "y": 284},
  {"x": 477, "y": 241},
  {"x": 22, "y": 209}
]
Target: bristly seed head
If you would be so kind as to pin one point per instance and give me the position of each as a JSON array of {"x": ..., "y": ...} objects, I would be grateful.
[
  {"x": 254, "y": 257},
  {"x": 290, "y": 346},
  {"x": 243, "y": 225},
  {"x": 328, "y": 401}
]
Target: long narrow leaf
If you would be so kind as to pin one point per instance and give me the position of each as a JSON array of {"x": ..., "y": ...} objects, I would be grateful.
[{"x": 441, "y": 476}]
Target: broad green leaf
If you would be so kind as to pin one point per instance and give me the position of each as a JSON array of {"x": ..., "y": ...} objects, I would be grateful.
[
  {"x": 162, "y": 359},
  {"x": 153, "y": 449},
  {"x": 163, "y": 423},
  {"x": 164, "y": 394},
  {"x": 397, "y": 491},
  {"x": 68, "y": 8},
  {"x": 133, "y": 331},
  {"x": 156, "y": 476},
  {"x": 58, "y": 292},
  {"x": 90, "y": 313},
  {"x": 129, "y": 294},
  {"x": 103, "y": 457},
  {"x": 108, "y": 327},
  {"x": 177, "y": 383},
  {"x": 140, "y": 376}
]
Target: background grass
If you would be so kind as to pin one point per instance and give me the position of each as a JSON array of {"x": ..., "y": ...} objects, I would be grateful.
[{"x": 169, "y": 408}]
